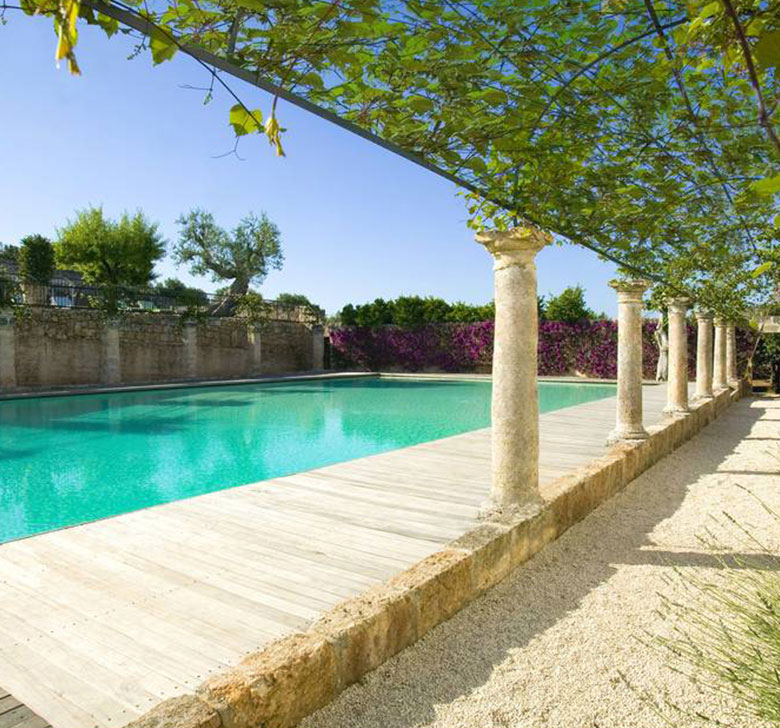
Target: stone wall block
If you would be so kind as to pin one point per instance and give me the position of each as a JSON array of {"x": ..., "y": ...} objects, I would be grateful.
[
  {"x": 186, "y": 711},
  {"x": 490, "y": 547},
  {"x": 367, "y": 630},
  {"x": 439, "y": 586},
  {"x": 277, "y": 687}
]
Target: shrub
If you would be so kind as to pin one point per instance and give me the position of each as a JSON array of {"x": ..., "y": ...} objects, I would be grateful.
[{"x": 587, "y": 347}]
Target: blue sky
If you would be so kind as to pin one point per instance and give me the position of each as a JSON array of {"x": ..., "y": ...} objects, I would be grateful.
[{"x": 356, "y": 221}]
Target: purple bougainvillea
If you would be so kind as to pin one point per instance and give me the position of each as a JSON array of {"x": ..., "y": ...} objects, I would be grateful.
[{"x": 588, "y": 348}]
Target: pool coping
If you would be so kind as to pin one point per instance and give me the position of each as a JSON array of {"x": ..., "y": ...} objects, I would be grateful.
[
  {"x": 74, "y": 391},
  {"x": 294, "y": 676},
  {"x": 77, "y": 390}
]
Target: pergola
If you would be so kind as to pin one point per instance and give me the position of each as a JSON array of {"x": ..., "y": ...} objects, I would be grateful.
[{"x": 642, "y": 131}]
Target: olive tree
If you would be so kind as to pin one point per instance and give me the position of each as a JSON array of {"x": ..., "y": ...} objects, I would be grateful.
[{"x": 243, "y": 256}]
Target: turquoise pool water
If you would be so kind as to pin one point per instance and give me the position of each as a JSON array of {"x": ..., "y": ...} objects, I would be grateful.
[{"x": 68, "y": 460}]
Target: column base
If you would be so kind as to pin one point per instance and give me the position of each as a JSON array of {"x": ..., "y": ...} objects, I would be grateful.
[
  {"x": 702, "y": 397},
  {"x": 623, "y": 435},
  {"x": 676, "y": 411},
  {"x": 490, "y": 510}
]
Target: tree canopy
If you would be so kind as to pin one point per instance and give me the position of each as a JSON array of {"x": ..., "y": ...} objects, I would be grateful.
[
  {"x": 108, "y": 252},
  {"x": 244, "y": 256},
  {"x": 641, "y": 130},
  {"x": 569, "y": 306},
  {"x": 36, "y": 259}
]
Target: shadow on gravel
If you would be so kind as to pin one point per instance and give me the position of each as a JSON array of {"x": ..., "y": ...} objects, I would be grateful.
[{"x": 459, "y": 656}]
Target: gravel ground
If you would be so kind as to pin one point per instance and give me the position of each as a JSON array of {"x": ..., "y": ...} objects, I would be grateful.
[{"x": 558, "y": 642}]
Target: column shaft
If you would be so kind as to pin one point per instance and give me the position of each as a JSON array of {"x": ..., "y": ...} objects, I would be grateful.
[
  {"x": 719, "y": 369},
  {"x": 515, "y": 406},
  {"x": 704, "y": 355},
  {"x": 629, "y": 365},
  {"x": 677, "y": 384},
  {"x": 731, "y": 355}
]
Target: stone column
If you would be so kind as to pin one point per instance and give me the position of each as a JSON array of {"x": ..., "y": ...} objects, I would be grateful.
[
  {"x": 677, "y": 384},
  {"x": 7, "y": 349},
  {"x": 515, "y": 407},
  {"x": 255, "y": 350},
  {"x": 719, "y": 381},
  {"x": 318, "y": 346},
  {"x": 731, "y": 355},
  {"x": 704, "y": 355},
  {"x": 629, "y": 364},
  {"x": 190, "y": 336},
  {"x": 112, "y": 364}
]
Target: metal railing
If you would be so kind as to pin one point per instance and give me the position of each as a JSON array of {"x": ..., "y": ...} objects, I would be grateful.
[{"x": 66, "y": 295}]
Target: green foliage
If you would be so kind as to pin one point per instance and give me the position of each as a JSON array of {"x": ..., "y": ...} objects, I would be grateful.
[
  {"x": 252, "y": 307},
  {"x": 108, "y": 252},
  {"x": 413, "y": 311},
  {"x": 643, "y": 131},
  {"x": 183, "y": 294},
  {"x": 9, "y": 254},
  {"x": 568, "y": 306},
  {"x": 298, "y": 299},
  {"x": 36, "y": 259},
  {"x": 243, "y": 256},
  {"x": 541, "y": 308}
]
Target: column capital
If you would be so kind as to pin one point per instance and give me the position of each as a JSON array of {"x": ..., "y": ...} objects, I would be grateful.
[
  {"x": 516, "y": 246},
  {"x": 630, "y": 290},
  {"x": 703, "y": 315},
  {"x": 720, "y": 320},
  {"x": 678, "y": 304}
]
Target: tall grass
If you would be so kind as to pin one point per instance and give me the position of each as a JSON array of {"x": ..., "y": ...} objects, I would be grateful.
[{"x": 725, "y": 629}]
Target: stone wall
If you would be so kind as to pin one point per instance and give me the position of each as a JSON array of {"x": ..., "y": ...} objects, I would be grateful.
[{"x": 51, "y": 347}]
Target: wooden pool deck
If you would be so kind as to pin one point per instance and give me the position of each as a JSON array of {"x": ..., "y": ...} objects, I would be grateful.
[
  {"x": 14, "y": 714},
  {"x": 100, "y": 622}
]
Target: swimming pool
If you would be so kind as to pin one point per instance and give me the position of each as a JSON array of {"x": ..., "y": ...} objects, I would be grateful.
[{"x": 69, "y": 460}]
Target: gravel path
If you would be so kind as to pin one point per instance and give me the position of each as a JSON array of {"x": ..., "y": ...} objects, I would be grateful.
[{"x": 551, "y": 644}]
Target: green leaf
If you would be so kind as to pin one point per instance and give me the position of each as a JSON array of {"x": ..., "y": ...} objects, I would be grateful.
[
  {"x": 767, "y": 50},
  {"x": 163, "y": 46},
  {"x": 420, "y": 104},
  {"x": 767, "y": 186},
  {"x": 710, "y": 9},
  {"x": 243, "y": 121},
  {"x": 763, "y": 268},
  {"x": 109, "y": 25}
]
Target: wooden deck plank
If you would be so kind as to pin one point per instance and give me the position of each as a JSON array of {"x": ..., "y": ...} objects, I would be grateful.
[{"x": 99, "y": 621}]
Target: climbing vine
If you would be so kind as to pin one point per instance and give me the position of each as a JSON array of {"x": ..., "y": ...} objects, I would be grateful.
[{"x": 641, "y": 129}]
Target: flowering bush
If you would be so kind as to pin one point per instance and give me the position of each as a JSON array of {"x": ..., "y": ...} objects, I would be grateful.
[{"x": 587, "y": 348}]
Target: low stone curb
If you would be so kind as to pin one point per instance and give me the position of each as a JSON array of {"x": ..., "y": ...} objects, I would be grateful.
[{"x": 298, "y": 674}]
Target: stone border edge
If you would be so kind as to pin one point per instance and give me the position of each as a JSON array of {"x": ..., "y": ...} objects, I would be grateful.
[{"x": 302, "y": 672}]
